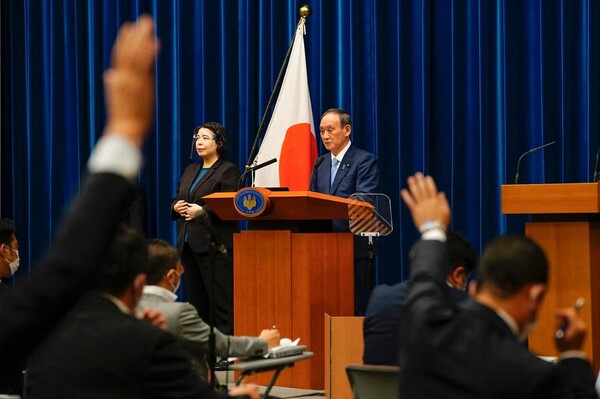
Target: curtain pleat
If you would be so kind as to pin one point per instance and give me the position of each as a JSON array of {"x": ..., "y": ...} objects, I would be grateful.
[{"x": 455, "y": 88}]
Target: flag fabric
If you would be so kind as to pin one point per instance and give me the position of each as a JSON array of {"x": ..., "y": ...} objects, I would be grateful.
[{"x": 290, "y": 136}]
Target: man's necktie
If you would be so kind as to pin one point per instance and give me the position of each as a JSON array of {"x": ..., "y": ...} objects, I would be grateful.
[{"x": 334, "y": 167}]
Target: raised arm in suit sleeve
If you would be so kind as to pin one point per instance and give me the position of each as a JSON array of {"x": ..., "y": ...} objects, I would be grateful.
[
  {"x": 66, "y": 272},
  {"x": 428, "y": 294}
]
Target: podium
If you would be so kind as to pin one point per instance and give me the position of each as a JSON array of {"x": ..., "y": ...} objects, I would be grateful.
[
  {"x": 289, "y": 278},
  {"x": 566, "y": 224}
]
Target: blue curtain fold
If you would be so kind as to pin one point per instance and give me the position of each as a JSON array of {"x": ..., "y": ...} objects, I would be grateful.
[{"x": 456, "y": 88}]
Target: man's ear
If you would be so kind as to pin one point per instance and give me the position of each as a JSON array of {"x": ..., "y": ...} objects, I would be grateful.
[
  {"x": 458, "y": 273},
  {"x": 138, "y": 284},
  {"x": 536, "y": 292},
  {"x": 3, "y": 250},
  {"x": 347, "y": 130}
]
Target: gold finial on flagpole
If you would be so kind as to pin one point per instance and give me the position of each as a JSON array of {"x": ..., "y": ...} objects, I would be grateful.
[{"x": 304, "y": 11}]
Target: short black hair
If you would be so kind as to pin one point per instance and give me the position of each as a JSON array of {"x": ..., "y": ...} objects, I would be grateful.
[
  {"x": 220, "y": 136},
  {"x": 7, "y": 231},
  {"x": 511, "y": 262},
  {"x": 162, "y": 257},
  {"x": 127, "y": 256},
  {"x": 345, "y": 118},
  {"x": 461, "y": 252}
]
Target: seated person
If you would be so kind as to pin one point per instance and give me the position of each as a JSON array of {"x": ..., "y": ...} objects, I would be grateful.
[
  {"x": 387, "y": 303},
  {"x": 11, "y": 380},
  {"x": 474, "y": 350},
  {"x": 101, "y": 350},
  {"x": 164, "y": 275}
]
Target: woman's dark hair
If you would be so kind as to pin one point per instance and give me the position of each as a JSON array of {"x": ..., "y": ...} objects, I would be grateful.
[{"x": 220, "y": 136}]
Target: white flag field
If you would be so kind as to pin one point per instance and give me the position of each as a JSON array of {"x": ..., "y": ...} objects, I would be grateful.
[{"x": 290, "y": 136}]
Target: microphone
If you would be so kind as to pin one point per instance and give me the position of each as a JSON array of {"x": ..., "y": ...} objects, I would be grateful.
[
  {"x": 213, "y": 236},
  {"x": 596, "y": 177},
  {"x": 529, "y": 152},
  {"x": 319, "y": 162},
  {"x": 252, "y": 169}
]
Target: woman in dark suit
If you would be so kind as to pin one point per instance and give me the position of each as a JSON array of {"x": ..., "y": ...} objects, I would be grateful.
[{"x": 212, "y": 174}]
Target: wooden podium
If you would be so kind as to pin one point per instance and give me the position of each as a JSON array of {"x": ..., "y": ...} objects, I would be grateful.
[
  {"x": 566, "y": 224},
  {"x": 288, "y": 278}
]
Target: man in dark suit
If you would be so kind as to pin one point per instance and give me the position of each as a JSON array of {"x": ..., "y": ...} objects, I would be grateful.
[
  {"x": 386, "y": 304},
  {"x": 346, "y": 170},
  {"x": 101, "y": 350},
  {"x": 34, "y": 309},
  {"x": 473, "y": 350},
  {"x": 30, "y": 311}
]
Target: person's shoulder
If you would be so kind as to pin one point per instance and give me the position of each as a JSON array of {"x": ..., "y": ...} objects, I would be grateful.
[
  {"x": 361, "y": 153},
  {"x": 191, "y": 167},
  {"x": 225, "y": 164},
  {"x": 387, "y": 296}
]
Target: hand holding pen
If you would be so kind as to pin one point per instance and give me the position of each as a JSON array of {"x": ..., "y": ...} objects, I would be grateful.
[{"x": 572, "y": 329}]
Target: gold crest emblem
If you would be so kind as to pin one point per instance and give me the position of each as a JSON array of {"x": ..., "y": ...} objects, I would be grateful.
[{"x": 249, "y": 202}]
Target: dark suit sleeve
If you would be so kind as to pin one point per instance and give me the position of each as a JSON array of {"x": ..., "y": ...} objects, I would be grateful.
[
  {"x": 367, "y": 179},
  {"x": 33, "y": 309},
  {"x": 427, "y": 298},
  {"x": 170, "y": 374}
]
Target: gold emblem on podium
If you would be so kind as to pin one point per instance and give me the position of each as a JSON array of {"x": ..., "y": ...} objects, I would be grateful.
[{"x": 249, "y": 202}]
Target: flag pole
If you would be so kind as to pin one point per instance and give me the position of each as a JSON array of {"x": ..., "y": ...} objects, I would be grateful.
[{"x": 304, "y": 12}]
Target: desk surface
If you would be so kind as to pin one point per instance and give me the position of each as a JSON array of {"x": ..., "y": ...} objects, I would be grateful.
[{"x": 269, "y": 363}]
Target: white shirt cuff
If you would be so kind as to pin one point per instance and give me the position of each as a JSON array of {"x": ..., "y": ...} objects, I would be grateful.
[
  {"x": 572, "y": 355},
  {"x": 434, "y": 234},
  {"x": 115, "y": 154}
]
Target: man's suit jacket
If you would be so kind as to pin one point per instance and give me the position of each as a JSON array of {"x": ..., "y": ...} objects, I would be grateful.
[
  {"x": 30, "y": 311},
  {"x": 97, "y": 351},
  {"x": 358, "y": 172},
  {"x": 222, "y": 176},
  {"x": 193, "y": 332},
  {"x": 468, "y": 351},
  {"x": 382, "y": 321}
]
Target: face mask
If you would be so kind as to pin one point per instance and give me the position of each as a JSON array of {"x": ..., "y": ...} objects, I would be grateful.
[
  {"x": 14, "y": 265},
  {"x": 178, "y": 282}
]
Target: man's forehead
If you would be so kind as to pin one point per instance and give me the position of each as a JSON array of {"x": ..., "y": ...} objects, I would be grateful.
[{"x": 330, "y": 120}]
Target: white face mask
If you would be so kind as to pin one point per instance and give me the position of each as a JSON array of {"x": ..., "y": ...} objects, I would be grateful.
[
  {"x": 178, "y": 282},
  {"x": 14, "y": 265}
]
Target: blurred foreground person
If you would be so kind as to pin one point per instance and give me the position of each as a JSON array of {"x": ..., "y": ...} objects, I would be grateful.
[
  {"x": 36, "y": 309},
  {"x": 473, "y": 350},
  {"x": 386, "y": 305}
]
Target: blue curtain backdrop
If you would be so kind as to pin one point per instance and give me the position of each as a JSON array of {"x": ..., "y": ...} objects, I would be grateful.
[{"x": 458, "y": 89}]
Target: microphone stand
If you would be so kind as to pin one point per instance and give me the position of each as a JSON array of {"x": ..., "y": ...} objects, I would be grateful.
[
  {"x": 252, "y": 169},
  {"x": 211, "y": 318},
  {"x": 213, "y": 250},
  {"x": 596, "y": 177},
  {"x": 370, "y": 265},
  {"x": 304, "y": 13}
]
